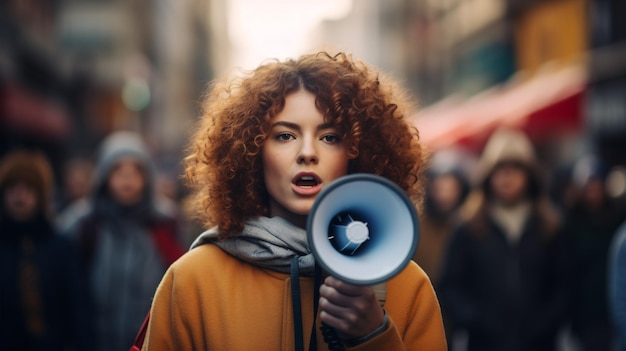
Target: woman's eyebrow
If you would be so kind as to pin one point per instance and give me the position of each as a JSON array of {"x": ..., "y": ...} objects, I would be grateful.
[
  {"x": 297, "y": 126},
  {"x": 286, "y": 124},
  {"x": 325, "y": 126}
]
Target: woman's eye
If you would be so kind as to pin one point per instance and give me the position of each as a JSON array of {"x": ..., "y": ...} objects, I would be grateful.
[
  {"x": 284, "y": 137},
  {"x": 331, "y": 138}
]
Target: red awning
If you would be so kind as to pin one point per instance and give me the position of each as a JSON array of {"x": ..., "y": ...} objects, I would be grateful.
[
  {"x": 544, "y": 105},
  {"x": 24, "y": 111}
]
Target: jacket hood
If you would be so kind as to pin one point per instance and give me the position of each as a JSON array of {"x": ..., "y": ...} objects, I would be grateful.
[
  {"x": 32, "y": 168},
  {"x": 506, "y": 145},
  {"x": 120, "y": 145},
  {"x": 455, "y": 162}
]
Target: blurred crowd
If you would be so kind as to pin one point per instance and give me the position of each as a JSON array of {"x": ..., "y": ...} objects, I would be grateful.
[
  {"x": 79, "y": 269},
  {"x": 522, "y": 256}
]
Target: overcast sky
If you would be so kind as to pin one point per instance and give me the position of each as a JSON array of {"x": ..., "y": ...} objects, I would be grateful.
[{"x": 276, "y": 28}]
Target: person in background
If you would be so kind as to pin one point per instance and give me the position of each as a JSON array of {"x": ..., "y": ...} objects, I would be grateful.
[
  {"x": 268, "y": 143},
  {"x": 77, "y": 178},
  {"x": 74, "y": 194},
  {"x": 561, "y": 189},
  {"x": 127, "y": 240},
  {"x": 507, "y": 278},
  {"x": 617, "y": 286},
  {"x": 43, "y": 294},
  {"x": 592, "y": 222},
  {"x": 172, "y": 202},
  {"x": 447, "y": 187}
]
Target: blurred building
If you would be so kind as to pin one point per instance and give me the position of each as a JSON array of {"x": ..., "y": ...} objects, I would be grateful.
[
  {"x": 38, "y": 94},
  {"x": 553, "y": 68},
  {"x": 606, "y": 103},
  {"x": 373, "y": 31},
  {"x": 74, "y": 70}
]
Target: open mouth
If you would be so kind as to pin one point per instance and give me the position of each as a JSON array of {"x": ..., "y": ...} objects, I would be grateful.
[
  {"x": 306, "y": 184},
  {"x": 307, "y": 181}
]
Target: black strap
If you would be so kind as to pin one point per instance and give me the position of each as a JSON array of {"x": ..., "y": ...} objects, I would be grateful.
[
  {"x": 316, "y": 298},
  {"x": 296, "y": 303}
]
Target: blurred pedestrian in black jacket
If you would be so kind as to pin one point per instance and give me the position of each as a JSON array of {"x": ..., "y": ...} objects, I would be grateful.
[
  {"x": 507, "y": 278},
  {"x": 43, "y": 296},
  {"x": 592, "y": 221}
]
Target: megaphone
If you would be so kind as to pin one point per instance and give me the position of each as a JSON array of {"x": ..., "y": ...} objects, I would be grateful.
[{"x": 362, "y": 229}]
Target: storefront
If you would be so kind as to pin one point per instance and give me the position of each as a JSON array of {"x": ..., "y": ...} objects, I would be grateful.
[{"x": 548, "y": 106}]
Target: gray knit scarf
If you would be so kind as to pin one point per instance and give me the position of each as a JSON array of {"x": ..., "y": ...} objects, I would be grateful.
[{"x": 266, "y": 242}]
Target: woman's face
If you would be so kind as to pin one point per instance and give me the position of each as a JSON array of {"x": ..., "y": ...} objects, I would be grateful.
[
  {"x": 301, "y": 155},
  {"x": 593, "y": 195},
  {"x": 446, "y": 192},
  {"x": 126, "y": 182},
  {"x": 509, "y": 183},
  {"x": 20, "y": 201}
]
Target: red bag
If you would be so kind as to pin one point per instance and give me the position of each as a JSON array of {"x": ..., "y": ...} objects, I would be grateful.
[{"x": 141, "y": 335}]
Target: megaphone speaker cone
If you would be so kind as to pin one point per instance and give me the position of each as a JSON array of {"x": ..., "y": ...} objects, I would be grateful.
[{"x": 363, "y": 229}]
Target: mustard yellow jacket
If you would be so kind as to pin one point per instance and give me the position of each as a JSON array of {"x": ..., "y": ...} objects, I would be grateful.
[{"x": 209, "y": 300}]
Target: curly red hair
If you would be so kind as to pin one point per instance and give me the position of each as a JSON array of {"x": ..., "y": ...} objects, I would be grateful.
[{"x": 224, "y": 167}]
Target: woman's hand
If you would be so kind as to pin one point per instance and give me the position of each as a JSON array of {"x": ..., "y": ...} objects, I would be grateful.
[{"x": 352, "y": 310}]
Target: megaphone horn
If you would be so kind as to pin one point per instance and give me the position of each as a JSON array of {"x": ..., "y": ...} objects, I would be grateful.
[{"x": 363, "y": 229}]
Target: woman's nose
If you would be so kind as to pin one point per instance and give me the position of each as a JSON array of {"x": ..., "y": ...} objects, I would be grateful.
[{"x": 308, "y": 153}]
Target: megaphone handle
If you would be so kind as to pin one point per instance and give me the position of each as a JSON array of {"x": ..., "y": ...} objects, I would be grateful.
[
  {"x": 331, "y": 338},
  {"x": 330, "y": 334}
]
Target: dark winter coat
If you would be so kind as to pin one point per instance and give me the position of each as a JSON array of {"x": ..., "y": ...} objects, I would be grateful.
[
  {"x": 59, "y": 286},
  {"x": 508, "y": 297},
  {"x": 592, "y": 233}
]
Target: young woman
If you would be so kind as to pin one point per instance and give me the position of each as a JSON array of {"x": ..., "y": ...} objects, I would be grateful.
[{"x": 268, "y": 143}]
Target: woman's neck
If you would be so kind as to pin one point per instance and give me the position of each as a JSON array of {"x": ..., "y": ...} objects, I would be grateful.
[{"x": 276, "y": 210}]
